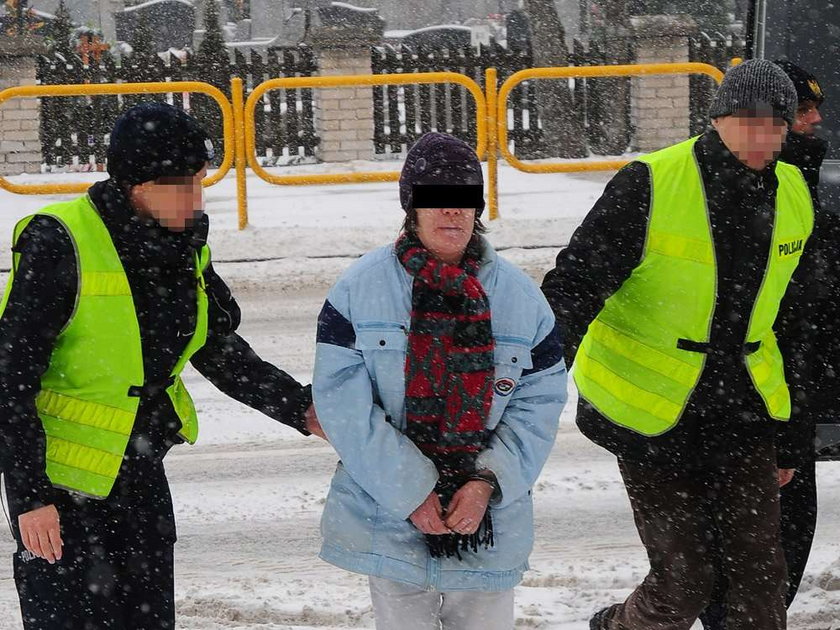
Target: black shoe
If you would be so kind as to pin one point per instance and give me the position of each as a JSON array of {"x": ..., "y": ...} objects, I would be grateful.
[{"x": 599, "y": 619}]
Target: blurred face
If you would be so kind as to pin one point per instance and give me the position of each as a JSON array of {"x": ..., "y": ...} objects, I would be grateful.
[
  {"x": 807, "y": 118},
  {"x": 174, "y": 202},
  {"x": 756, "y": 140},
  {"x": 446, "y": 232}
]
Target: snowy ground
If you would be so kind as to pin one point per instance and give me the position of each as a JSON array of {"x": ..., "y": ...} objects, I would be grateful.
[{"x": 248, "y": 496}]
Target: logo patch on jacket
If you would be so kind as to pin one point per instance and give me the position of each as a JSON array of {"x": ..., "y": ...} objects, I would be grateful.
[
  {"x": 504, "y": 386},
  {"x": 791, "y": 248}
]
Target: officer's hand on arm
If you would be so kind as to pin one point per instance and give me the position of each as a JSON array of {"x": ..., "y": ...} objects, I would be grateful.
[
  {"x": 40, "y": 533},
  {"x": 467, "y": 507},
  {"x": 312, "y": 423},
  {"x": 785, "y": 476},
  {"x": 428, "y": 517}
]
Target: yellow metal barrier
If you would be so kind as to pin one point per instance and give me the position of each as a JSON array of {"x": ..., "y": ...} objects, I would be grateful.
[
  {"x": 582, "y": 72},
  {"x": 482, "y": 118},
  {"x": 237, "y": 93},
  {"x": 101, "y": 89},
  {"x": 491, "y": 82},
  {"x": 239, "y": 124}
]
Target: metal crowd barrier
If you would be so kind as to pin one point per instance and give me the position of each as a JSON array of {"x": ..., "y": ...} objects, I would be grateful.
[
  {"x": 239, "y": 129},
  {"x": 102, "y": 89}
]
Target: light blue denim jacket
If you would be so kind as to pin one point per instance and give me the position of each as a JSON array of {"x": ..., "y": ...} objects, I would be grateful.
[{"x": 359, "y": 389}]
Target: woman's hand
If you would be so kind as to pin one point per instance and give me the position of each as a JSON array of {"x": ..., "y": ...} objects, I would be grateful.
[
  {"x": 41, "y": 534},
  {"x": 428, "y": 518},
  {"x": 468, "y": 505},
  {"x": 313, "y": 425}
]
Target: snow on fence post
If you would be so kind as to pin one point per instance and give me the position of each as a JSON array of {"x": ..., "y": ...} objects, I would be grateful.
[
  {"x": 660, "y": 103},
  {"x": 341, "y": 37},
  {"x": 20, "y": 145}
]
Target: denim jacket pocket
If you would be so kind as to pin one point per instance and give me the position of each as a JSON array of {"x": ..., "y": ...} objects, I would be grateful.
[
  {"x": 383, "y": 347},
  {"x": 510, "y": 360}
]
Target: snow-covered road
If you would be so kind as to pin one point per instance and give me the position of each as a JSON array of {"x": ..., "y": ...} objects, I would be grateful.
[{"x": 248, "y": 496}]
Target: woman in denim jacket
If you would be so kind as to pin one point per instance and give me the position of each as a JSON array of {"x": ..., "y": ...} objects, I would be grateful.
[{"x": 439, "y": 379}]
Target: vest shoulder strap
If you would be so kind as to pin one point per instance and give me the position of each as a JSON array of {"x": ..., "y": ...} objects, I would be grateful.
[{"x": 669, "y": 153}]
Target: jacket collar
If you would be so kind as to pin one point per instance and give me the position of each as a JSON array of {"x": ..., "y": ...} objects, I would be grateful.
[
  {"x": 486, "y": 272},
  {"x": 489, "y": 258},
  {"x": 727, "y": 170},
  {"x": 144, "y": 243}
]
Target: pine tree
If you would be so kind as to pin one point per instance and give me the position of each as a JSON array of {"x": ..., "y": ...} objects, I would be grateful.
[
  {"x": 142, "y": 65},
  {"x": 212, "y": 48},
  {"x": 212, "y": 65},
  {"x": 563, "y": 135},
  {"x": 61, "y": 31},
  {"x": 609, "y": 97}
]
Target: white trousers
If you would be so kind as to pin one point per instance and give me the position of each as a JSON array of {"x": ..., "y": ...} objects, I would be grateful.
[{"x": 399, "y": 606}]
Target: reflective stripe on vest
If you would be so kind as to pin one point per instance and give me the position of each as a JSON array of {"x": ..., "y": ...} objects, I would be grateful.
[
  {"x": 84, "y": 403},
  {"x": 629, "y": 365}
]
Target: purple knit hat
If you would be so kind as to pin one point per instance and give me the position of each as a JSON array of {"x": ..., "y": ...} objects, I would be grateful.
[{"x": 439, "y": 159}]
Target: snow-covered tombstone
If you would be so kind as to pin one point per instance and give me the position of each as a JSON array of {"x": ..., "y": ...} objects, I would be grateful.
[{"x": 170, "y": 23}]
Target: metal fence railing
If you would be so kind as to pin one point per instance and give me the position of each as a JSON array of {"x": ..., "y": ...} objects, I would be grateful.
[
  {"x": 239, "y": 119},
  {"x": 74, "y": 129}
]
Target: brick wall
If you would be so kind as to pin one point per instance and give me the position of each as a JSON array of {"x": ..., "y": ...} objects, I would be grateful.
[
  {"x": 344, "y": 116},
  {"x": 20, "y": 146},
  {"x": 660, "y": 103}
]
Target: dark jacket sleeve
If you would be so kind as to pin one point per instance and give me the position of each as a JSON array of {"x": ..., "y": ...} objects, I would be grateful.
[
  {"x": 40, "y": 304},
  {"x": 601, "y": 255},
  {"x": 228, "y": 362},
  {"x": 805, "y": 328}
]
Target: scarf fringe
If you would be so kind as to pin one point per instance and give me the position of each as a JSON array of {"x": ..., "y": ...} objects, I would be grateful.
[{"x": 451, "y": 545}]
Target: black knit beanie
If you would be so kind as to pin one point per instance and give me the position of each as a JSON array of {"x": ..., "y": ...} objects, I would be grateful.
[
  {"x": 756, "y": 83},
  {"x": 806, "y": 84},
  {"x": 439, "y": 159},
  {"x": 153, "y": 140}
]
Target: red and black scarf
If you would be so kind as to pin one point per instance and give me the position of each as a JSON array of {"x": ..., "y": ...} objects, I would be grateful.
[{"x": 449, "y": 374}]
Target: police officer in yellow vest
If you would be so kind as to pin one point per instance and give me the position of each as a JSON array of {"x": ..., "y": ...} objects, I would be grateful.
[
  {"x": 111, "y": 295},
  {"x": 807, "y": 337},
  {"x": 668, "y": 294}
]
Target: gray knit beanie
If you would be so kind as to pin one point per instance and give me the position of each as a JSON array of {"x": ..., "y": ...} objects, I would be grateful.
[{"x": 757, "y": 82}]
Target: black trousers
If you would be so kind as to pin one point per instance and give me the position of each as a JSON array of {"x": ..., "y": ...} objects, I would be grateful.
[
  {"x": 116, "y": 571},
  {"x": 798, "y": 501},
  {"x": 675, "y": 511}
]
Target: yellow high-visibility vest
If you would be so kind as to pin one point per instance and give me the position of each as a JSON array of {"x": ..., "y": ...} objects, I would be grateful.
[
  {"x": 85, "y": 402},
  {"x": 630, "y": 365}
]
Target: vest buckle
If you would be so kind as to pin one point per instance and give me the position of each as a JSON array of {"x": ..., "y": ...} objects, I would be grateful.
[{"x": 149, "y": 390}]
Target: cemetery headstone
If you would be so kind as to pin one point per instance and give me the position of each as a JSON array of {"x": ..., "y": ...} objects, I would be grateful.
[{"x": 170, "y": 22}]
